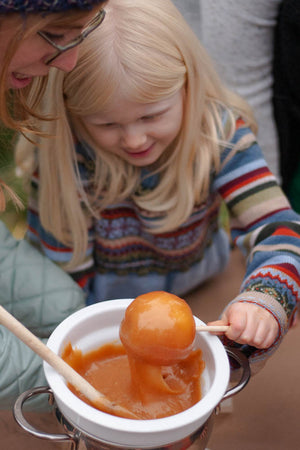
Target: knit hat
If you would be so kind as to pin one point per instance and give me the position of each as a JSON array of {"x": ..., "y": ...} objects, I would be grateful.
[{"x": 33, "y": 6}]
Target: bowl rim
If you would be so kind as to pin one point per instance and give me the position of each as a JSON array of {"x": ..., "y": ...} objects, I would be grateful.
[{"x": 71, "y": 402}]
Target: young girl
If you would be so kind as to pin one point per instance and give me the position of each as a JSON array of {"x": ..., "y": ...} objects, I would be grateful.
[
  {"x": 34, "y": 36},
  {"x": 127, "y": 192}
]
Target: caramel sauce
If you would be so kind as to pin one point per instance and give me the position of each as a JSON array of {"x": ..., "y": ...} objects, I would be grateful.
[{"x": 149, "y": 391}]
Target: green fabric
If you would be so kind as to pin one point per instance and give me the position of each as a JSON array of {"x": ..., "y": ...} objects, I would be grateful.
[{"x": 40, "y": 295}]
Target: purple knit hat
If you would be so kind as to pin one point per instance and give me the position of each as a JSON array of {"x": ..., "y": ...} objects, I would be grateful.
[{"x": 33, "y": 6}]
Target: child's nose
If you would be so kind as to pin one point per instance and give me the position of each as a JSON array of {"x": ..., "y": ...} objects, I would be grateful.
[
  {"x": 67, "y": 60},
  {"x": 134, "y": 137}
]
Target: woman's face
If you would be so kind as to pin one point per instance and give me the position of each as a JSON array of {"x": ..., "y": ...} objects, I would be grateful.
[
  {"x": 138, "y": 133},
  {"x": 30, "y": 58}
]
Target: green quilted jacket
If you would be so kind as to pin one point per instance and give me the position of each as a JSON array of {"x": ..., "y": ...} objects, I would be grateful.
[{"x": 40, "y": 295}]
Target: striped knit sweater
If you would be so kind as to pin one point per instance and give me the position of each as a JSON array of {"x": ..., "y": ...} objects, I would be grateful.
[{"x": 263, "y": 226}]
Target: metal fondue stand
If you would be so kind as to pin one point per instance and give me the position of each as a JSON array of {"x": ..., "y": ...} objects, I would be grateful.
[{"x": 80, "y": 440}]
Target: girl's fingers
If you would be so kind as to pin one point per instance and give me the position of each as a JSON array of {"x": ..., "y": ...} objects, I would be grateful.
[
  {"x": 237, "y": 321},
  {"x": 266, "y": 335},
  {"x": 250, "y": 324}
]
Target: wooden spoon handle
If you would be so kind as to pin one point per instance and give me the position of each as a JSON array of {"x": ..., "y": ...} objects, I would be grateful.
[
  {"x": 212, "y": 328},
  {"x": 73, "y": 377}
]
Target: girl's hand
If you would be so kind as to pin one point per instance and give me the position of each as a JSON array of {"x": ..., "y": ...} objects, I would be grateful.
[{"x": 249, "y": 324}]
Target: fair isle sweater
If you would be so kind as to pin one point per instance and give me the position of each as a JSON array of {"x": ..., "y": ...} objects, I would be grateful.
[{"x": 123, "y": 260}]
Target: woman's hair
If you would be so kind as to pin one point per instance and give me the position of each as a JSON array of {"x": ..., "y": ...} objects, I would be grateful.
[
  {"x": 146, "y": 51},
  {"x": 16, "y": 107}
]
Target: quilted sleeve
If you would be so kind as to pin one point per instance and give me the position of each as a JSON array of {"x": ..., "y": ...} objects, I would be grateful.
[
  {"x": 21, "y": 369},
  {"x": 34, "y": 289},
  {"x": 40, "y": 295}
]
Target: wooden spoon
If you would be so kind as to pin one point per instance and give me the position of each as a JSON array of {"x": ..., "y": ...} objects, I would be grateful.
[
  {"x": 212, "y": 328},
  {"x": 73, "y": 377}
]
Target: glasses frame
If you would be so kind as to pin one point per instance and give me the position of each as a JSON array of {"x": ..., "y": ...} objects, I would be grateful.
[{"x": 60, "y": 49}]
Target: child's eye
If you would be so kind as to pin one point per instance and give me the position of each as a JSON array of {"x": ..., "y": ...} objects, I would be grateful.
[
  {"x": 153, "y": 116},
  {"x": 150, "y": 117},
  {"x": 108, "y": 125}
]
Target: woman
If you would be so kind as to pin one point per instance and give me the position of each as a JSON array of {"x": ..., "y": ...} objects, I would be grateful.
[{"x": 34, "y": 36}]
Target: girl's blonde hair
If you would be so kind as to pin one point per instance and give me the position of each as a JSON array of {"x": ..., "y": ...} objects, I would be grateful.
[{"x": 145, "y": 50}]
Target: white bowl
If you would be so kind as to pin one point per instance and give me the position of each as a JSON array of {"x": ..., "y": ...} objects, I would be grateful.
[{"x": 98, "y": 324}]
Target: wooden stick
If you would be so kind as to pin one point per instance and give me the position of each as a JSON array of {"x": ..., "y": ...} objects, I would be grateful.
[
  {"x": 212, "y": 328},
  {"x": 73, "y": 377}
]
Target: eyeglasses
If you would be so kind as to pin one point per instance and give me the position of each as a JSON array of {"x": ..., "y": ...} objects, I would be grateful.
[{"x": 91, "y": 26}]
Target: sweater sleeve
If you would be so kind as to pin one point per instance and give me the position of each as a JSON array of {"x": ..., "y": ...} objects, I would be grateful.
[{"x": 265, "y": 228}]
